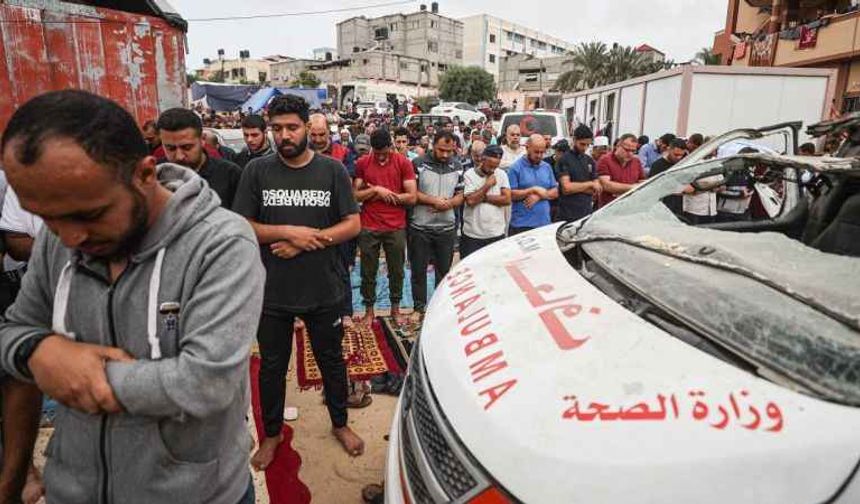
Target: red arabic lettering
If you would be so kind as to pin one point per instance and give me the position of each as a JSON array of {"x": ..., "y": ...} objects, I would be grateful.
[
  {"x": 548, "y": 315},
  {"x": 718, "y": 417},
  {"x": 562, "y": 337}
]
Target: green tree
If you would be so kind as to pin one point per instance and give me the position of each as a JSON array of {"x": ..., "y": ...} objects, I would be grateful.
[
  {"x": 590, "y": 59},
  {"x": 706, "y": 56},
  {"x": 467, "y": 84},
  {"x": 306, "y": 79}
]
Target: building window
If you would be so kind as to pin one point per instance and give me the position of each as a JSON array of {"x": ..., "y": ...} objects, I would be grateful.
[
  {"x": 380, "y": 33},
  {"x": 492, "y": 38},
  {"x": 404, "y": 66},
  {"x": 492, "y": 58},
  {"x": 432, "y": 46},
  {"x": 392, "y": 27},
  {"x": 443, "y": 67},
  {"x": 365, "y": 61},
  {"x": 458, "y": 54},
  {"x": 509, "y": 35},
  {"x": 356, "y": 49}
]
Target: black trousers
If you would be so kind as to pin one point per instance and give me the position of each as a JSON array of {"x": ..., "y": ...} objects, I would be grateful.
[
  {"x": 513, "y": 231},
  {"x": 275, "y": 336},
  {"x": 425, "y": 246},
  {"x": 346, "y": 250},
  {"x": 469, "y": 245}
]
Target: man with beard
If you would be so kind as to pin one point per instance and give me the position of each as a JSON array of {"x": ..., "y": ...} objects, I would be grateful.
[
  {"x": 576, "y": 172},
  {"x": 150, "y": 134},
  {"x": 254, "y": 131},
  {"x": 487, "y": 192},
  {"x": 301, "y": 207},
  {"x": 182, "y": 138},
  {"x": 133, "y": 311}
]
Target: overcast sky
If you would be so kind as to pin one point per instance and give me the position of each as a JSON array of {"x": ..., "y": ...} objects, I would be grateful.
[{"x": 677, "y": 27}]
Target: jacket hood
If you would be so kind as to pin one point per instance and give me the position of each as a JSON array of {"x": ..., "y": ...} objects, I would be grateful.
[{"x": 192, "y": 201}]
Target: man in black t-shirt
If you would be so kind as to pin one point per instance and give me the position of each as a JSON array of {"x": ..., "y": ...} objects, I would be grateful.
[
  {"x": 675, "y": 151},
  {"x": 181, "y": 132},
  {"x": 576, "y": 172},
  {"x": 301, "y": 207}
]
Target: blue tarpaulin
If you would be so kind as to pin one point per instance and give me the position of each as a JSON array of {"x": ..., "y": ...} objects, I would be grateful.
[
  {"x": 262, "y": 97},
  {"x": 222, "y": 97}
]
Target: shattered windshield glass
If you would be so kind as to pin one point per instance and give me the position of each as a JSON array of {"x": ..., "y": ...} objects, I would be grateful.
[{"x": 787, "y": 308}]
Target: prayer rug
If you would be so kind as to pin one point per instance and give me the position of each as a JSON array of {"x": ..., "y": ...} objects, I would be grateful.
[
  {"x": 282, "y": 475},
  {"x": 365, "y": 351},
  {"x": 401, "y": 338}
]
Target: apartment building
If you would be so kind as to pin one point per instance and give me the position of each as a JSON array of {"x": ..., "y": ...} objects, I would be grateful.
[
  {"x": 797, "y": 33},
  {"x": 242, "y": 70},
  {"x": 488, "y": 39}
]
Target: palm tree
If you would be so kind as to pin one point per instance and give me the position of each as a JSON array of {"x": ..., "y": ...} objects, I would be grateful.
[
  {"x": 570, "y": 80},
  {"x": 624, "y": 63},
  {"x": 706, "y": 56},
  {"x": 590, "y": 59}
]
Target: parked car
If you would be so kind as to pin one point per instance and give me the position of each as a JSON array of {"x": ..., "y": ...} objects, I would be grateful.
[
  {"x": 461, "y": 110},
  {"x": 633, "y": 357},
  {"x": 426, "y": 119},
  {"x": 540, "y": 122}
]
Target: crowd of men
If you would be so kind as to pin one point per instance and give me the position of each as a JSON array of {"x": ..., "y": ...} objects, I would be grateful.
[{"x": 168, "y": 253}]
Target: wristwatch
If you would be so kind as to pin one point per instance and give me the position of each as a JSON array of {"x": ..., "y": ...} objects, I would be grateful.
[{"x": 25, "y": 351}]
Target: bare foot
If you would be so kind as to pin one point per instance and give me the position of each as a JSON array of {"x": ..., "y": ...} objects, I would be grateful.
[
  {"x": 368, "y": 317},
  {"x": 33, "y": 489},
  {"x": 266, "y": 453},
  {"x": 349, "y": 440},
  {"x": 347, "y": 322}
]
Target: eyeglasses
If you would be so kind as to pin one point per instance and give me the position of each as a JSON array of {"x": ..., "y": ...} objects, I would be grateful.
[{"x": 628, "y": 149}]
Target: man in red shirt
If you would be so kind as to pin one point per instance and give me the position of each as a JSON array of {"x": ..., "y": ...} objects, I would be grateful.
[
  {"x": 621, "y": 170},
  {"x": 320, "y": 139},
  {"x": 385, "y": 185}
]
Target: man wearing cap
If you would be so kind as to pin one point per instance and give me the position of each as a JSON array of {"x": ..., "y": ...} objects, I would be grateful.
[
  {"x": 385, "y": 185},
  {"x": 488, "y": 194},
  {"x": 576, "y": 172},
  {"x": 599, "y": 148},
  {"x": 533, "y": 186}
]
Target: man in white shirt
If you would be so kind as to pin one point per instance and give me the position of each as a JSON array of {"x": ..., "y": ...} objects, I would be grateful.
[
  {"x": 512, "y": 150},
  {"x": 488, "y": 196}
]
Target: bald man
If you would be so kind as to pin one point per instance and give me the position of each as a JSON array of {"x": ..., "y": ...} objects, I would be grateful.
[
  {"x": 320, "y": 139},
  {"x": 533, "y": 186}
]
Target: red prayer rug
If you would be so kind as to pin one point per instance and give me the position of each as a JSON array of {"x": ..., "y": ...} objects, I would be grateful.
[{"x": 282, "y": 475}]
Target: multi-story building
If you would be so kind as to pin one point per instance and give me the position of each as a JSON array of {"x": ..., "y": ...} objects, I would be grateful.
[
  {"x": 372, "y": 65},
  {"x": 325, "y": 54},
  {"x": 488, "y": 39},
  {"x": 243, "y": 70},
  {"x": 653, "y": 55},
  {"x": 821, "y": 33},
  {"x": 424, "y": 35},
  {"x": 522, "y": 72}
]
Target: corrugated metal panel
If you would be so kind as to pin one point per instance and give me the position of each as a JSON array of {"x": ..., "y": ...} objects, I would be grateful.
[{"x": 136, "y": 60}]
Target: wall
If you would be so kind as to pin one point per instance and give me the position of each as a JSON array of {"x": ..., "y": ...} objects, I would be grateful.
[
  {"x": 661, "y": 106},
  {"x": 841, "y": 37},
  {"x": 749, "y": 19},
  {"x": 630, "y": 115},
  {"x": 135, "y": 60}
]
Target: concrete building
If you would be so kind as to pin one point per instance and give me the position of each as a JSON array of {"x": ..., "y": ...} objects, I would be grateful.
[
  {"x": 653, "y": 55},
  {"x": 793, "y": 33},
  {"x": 325, "y": 54},
  {"x": 239, "y": 71},
  {"x": 488, "y": 39},
  {"x": 370, "y": 65},
  {"x": 424, "y": 35},
  {"x": 522, "y": 72}
]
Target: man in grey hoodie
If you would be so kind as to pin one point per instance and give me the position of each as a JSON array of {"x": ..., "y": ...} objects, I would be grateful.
[{"x": 136, "y": 312}]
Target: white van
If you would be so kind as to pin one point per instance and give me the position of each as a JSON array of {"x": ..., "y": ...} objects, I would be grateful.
[
  {"x": 541, "y": 122},
  {"x": 631, "y": 357}
]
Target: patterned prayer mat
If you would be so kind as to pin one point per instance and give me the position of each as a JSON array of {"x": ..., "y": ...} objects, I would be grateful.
[
  {"x": 365, "y": 351},
  {"x": 401, "y": 338}
]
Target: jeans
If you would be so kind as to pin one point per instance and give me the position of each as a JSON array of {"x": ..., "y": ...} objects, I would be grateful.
[
  {"x": 347, "y": 257},
  {"x": 424, "y": 246},
  {"x": 249, "y": 497},
  {"x": 393, "y": 243},
  {"x": 469, "y": 245},
  {"x": 275, "y": 337}
]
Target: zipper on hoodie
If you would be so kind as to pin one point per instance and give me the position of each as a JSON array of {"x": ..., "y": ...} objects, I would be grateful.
[{"x": 103, "y": 434}]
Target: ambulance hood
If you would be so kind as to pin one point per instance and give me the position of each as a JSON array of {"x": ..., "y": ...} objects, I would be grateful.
[{"x": 564, "y": 395}]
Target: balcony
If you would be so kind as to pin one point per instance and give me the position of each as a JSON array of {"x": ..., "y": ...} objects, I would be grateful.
[{"x": 839, "y": 40}]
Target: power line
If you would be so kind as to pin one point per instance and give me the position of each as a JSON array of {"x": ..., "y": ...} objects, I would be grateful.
[
  {"x": 307, "y": 13},
  {"x": 213, "y": 19}
]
